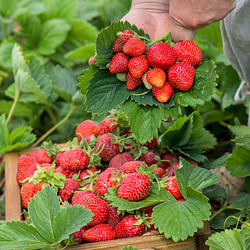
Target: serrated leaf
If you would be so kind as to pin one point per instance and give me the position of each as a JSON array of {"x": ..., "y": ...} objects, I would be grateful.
[
  {"x": 53, "y": 34},
  {"x": 181, "y": 219},
  {"x": 70, "y": 220},
  {"x": 241, "y": 201},
  {"x": 154, "y": 197},
  {"x": 105, "y": 92},
  {"x": 21, "y": 235},
  {"x": 239, "y": 131},
  {"x": 4, "y": 132},
  {"x": 83, "y": 53},
  {"x": 43, "y": 208},
  {"x": 203, "y": 88},
  {"x": 230, "y": 239},
  {"x": 195, "y": 177},
  {"x": 5, "y": 55},
  {"x": 106, "y": 38},
  {"x": 217, "y": 163},
  {"x": 145, "y": 120},
  {"x": 238, "y": 163}
]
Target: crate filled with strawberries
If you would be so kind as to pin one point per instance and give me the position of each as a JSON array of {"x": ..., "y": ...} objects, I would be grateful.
[{"x": 106, "y": 190}]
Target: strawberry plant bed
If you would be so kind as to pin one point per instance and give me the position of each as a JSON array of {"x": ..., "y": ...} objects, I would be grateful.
[{"x": 149, "y": 240}]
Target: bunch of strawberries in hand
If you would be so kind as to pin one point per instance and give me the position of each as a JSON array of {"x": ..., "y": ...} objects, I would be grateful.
[{"x": 159, "y": 66}]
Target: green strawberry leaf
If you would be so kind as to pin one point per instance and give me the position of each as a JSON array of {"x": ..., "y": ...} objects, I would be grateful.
[
  {"x": 230, "y": 239},
  {"x": 106, "y": 38},
  {"x": 241, "y": 201},
  {"x": 21, "y": 235},
  {"x": 203, "y": 88},
  {"x": 5, "y": 55},
  {"x": 239, "y": 131},
  {"x": 4, "y": 132},
  {"x": 180, "y": 219},
  {"x": 195, "y": 177},
  {"x": 154, "y": 197},
  {"x": 105, "y": 92},
  {"x": 145, "y": 120}
]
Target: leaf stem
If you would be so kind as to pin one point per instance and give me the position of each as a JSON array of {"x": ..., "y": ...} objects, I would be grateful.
[
  {"x": 16, "y": 99},
  {"x": 4, "y": 74},
  {"x": 55, "y": 126},
  {"x": 144, "y": 93}
]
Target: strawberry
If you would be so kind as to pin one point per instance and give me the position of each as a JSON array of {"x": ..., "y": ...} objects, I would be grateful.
[
  {"x": 127, "y": 228},
  {"x": 189, "y": 52},
  {"x": 26, "y": 166},
  {"x": 121, "y": 40},
  {"x": 119, "y": 63},
  {"x": 91, "y": 201},
  {"x": 151, "y": 144},
  {"x": 78, "y": 234},
  {"x": 58, "y": 158},
  {"x": 74, "y": 160},
  {"x": 161, "y": 55},
  {"x": 173, "y": 187},
  {"x": 159, "y": 172},
  {"x": 113, "y": 217},
  {"x": 138, "y": 66},
  {"x": 110, "y": 178},
  {"x": 71, "y": 185},
  {"x": 168, "y": 159},
  {"x": 28, "y": 190},
  {"x": 87, "y": 172},
  {"x": 164, "y": 93},
  {"x": 131, "y": 166},
  {"x": 107, "y": 147},
  {"x": 156, "y": 77},
  {"x": 132, "y": 82},
  {"x": 101, "y": 232},
  {"x": 149, "y": 158},
  {"x": 134, "y": 47},
  {"x": 61, "y": 170},
  {"x": 41, "y": 156},
  {"x": 134, "y": 187},
  {"x": 150, "y": 219},
  {"x": 85, "y": 129},
  {"x": 181, "y": 76},
  {"x": 106, "y": 126},
  {"x": 171, "y": 169},
  {"x": 119, "y": 159}
]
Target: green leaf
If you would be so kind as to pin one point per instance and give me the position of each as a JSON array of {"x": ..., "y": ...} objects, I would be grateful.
[
  {"x": 230, "y": 239},
  {"x": 240, "y": 131},
  {"x": 5, "y": 55},
  {"x": 21, "y": 235},
  {"x": 88, "y": 10},
  {"x": 241, "y": 201},
  {"x": 70, "y": 220},
  {"x": 83, "y": 53},
  {"x": 238, "y": 162},
  {"x": 154, "y": 197},
  {"x": 181, "y": 219},
  {"x": 4, "y": 132},
  {"x": 217, "y": 163},
  {"x": 105, "y": 92},
  {"x": 195, "y": 177},
  {"x": 215, "y": 191},
  {"x": 145, "y": 120},
  {"x": 129, "y": 248},
  {"x": 53, "y": 34},
  {"x": 203, "y": 88},
  {"x": 43, "y": 209}
]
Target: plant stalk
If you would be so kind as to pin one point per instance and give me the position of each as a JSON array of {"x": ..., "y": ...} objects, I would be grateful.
[{"x": 12, "y": 108}]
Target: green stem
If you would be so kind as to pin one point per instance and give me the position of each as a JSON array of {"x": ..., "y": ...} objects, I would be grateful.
[
  {"x": 4, "y": 74},
  {"x": 55, "y": 127},
  {"x": 144, "y": 93},
  {"x": 224, "y": 207},
  {"x": 13, "y": 107},
  {"x": 161, "y": 39}
]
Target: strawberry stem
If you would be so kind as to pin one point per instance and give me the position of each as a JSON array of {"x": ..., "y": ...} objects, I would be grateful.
[
  {"x": 144, "y": 93},
  {"x": 165, "y": 38}
]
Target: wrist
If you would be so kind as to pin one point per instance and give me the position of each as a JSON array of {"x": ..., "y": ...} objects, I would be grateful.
[{"x": 155, "y": 6}]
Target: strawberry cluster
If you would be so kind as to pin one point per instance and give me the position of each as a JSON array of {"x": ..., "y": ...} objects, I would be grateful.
[
  {"x": 102, "y": 156},
  {"x": 158, "y": 66}
]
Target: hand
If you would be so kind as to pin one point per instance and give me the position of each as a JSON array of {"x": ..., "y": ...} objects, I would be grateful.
[{"x": 188, "y": 15}]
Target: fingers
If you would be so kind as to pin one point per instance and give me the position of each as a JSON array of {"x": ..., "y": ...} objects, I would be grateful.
[{"x": 179, "y": 32}]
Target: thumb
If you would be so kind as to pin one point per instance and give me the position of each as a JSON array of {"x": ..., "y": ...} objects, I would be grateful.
[{"x": 179, "y": 32}]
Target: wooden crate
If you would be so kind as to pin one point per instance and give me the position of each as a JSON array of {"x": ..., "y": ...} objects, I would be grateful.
[{"x": 151, "y": 240}]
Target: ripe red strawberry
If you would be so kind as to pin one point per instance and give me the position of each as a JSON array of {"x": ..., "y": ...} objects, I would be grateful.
[
  {"x": 149, "y": 158},
  {"x": 131, "y": 166},
  {"x": 28, "y": 190},
  {"x": 26, "y": 166},
  {"x": 71, "y": 185},
  {"x": 119, "y": 63},
  {"x": 134, "y": 187},
  {"x": 106, "y": 126},
  {"x": 74, "y": 160},
  {"x": 138, "y": 66},
  {"x": 132, "y": 82},
  {"x": 156, "y": 77},
  {"x": 161, "y": 55},
  {"x": 58, "y": 158},
  {"x": 164, "y": 93},
  {"x": 181, "y": 76},
  {"x": 78, "y": 234},
  {"x": 61, "y": 170},
  {"x": 108, "y": 149},
  {"x": 121, "y": 40},
  {"x": 41, "y": 156},
  {"x": 127, "y": 228},
  {"x": 171, "y": 169},
  {"x": 189, "y": 52},
  {"x": 113, "y": 217},
  {"x": 101, "y": 232},
  {"x": 85, "y": 129},
  {"x": 87, "y": 172},
  {"x": 151, "y": 144},
  {"x": 134, "y": 47},
  {"x": 159, "y": 172},
  {"x": 91, "y": 201},
  {"x": 110, "y": 178},
  {"x": 118, "y": 160},
  {"x": 168, "y": 159},
  {"x": 150, "y": 219},
  {"x": 173, "y": 187}
]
